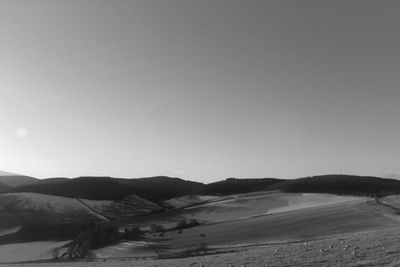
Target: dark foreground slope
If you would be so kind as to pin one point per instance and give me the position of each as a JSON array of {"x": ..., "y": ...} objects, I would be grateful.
[{"x": 340, "y": 184}]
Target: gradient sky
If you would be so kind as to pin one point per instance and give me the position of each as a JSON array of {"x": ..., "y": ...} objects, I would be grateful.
[{"x": 202, "y": 90}]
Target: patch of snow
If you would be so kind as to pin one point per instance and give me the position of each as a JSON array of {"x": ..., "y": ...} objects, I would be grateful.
[{"x": 28, "y": 251}]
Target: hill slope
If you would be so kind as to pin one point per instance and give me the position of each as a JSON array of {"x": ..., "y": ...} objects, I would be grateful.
[
  {"x": 106, "y": 188},
  {"x": 236, "y": 186},
  {"x": 13, "y": 180},
  {"x": 3, "y": 187},
  {"x": 97, "y": 188},
  {"x": 161, "y": 188},
  {"x": 17, "y": 209},
  {"x": 339, "y": 184}
]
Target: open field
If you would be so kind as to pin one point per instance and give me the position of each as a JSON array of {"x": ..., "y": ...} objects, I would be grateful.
[
  {"x": 297, "y": 224},
  {"x": 371, "y": 248},
  {"x": 187, "y": 200},
  {"x": 263, "y": 223},
  {"x": 259, "y": 203},
  {"x": 18, "y": 208},
  {"x": 29, "y": 251},
  {"x": 239, "y": 206},
  {"x": 260, "y": 218},
  {"x": 393, "y": 200}
]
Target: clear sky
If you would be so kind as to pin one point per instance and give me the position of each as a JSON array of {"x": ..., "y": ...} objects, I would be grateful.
[{"x": 202, "y": 90}]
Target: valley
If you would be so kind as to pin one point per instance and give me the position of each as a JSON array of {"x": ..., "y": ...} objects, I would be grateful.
[{"x": 215, "y": 225}]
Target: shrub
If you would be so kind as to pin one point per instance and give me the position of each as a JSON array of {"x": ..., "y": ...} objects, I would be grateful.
[{"x": 184, "y": 223}]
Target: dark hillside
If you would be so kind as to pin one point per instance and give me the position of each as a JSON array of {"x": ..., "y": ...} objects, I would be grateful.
[
  {"x": 161, "y": 187},
  {"x": 13, "y": 180},
  {"x": 3, "y": 187},
  {"x": 106, "y": 188},
  {"x": 55, "y": 180},
  {"x": 236, "y": 186},
  {"x": 100, "y": 188},
  {"x": 339, "y": 184}
]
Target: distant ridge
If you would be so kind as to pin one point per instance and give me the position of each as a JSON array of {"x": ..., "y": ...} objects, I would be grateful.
[
  {"x": 236, "y": 186},
  {"x": 3, "y": 173},
  {"x": 107, "y": 188},
  {"x": 160, "y": 188},
  {"x": 14, "y": 180},
  {"x": 340, "y": 184}
]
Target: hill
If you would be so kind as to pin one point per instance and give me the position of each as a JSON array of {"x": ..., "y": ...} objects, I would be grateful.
[
  {"x": 3, "y": 173},
  {"x": 96, "y": 188},
  {"x": 236, "y": 186},
  {"x": 339, "y": 184},
  {"x": 107, "y": 188},
  {"x": 3, "y": 187},
  {"x": 17, "y": 209},
  {"x": 161, "y": 187},
  {"x": 13, "y": 180},
  {"x": 55, "y": 180}
]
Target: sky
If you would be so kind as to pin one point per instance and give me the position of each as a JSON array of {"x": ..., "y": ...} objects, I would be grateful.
[{"x": 201, "y": 90}]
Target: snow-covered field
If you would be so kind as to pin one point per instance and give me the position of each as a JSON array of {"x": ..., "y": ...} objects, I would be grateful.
[
  {"x": 130, "y": 206},
  {"x": 368, "y": 248},
  {"x": 305, "y": 222},
  {"x": 258, "y": 224},
  {"x": 187, "y": 200},
  {"x": 30, "y": 251},
  {"x": 393, "y": 200},
  {"x": 9, "y": 230},
  {"x": 50, "y": 203},
  {"x": 260, "y": 203},
  {"x": 17, "y": 208},
  {"x": 124, "y": 249}
]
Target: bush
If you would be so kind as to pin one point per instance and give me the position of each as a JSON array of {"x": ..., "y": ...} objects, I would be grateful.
[
  {"x": 184, "y": 223},
  {"x": 157, "y": 228}
]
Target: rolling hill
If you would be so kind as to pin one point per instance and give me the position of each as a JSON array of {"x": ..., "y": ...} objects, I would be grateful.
[
  {"x": 17, "y": 209},
  {"x": 236, "y": 186},
  {"x": 107, "y": 188},
  {"x": 96, "y": 188},
  {"x": 14, "y": 180},
  {"x": 161, "y": 188},
  {"x": 339, "y": 184},
  {"x": 3, "y": 187}
]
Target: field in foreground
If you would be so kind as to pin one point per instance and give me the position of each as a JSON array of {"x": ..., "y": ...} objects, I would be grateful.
[
  {"x": 29, "y": 251},
  {"x": 369, "y": 248},
  {"x": 267, "y": 228},
  {"x": 269, "y": 218}
]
